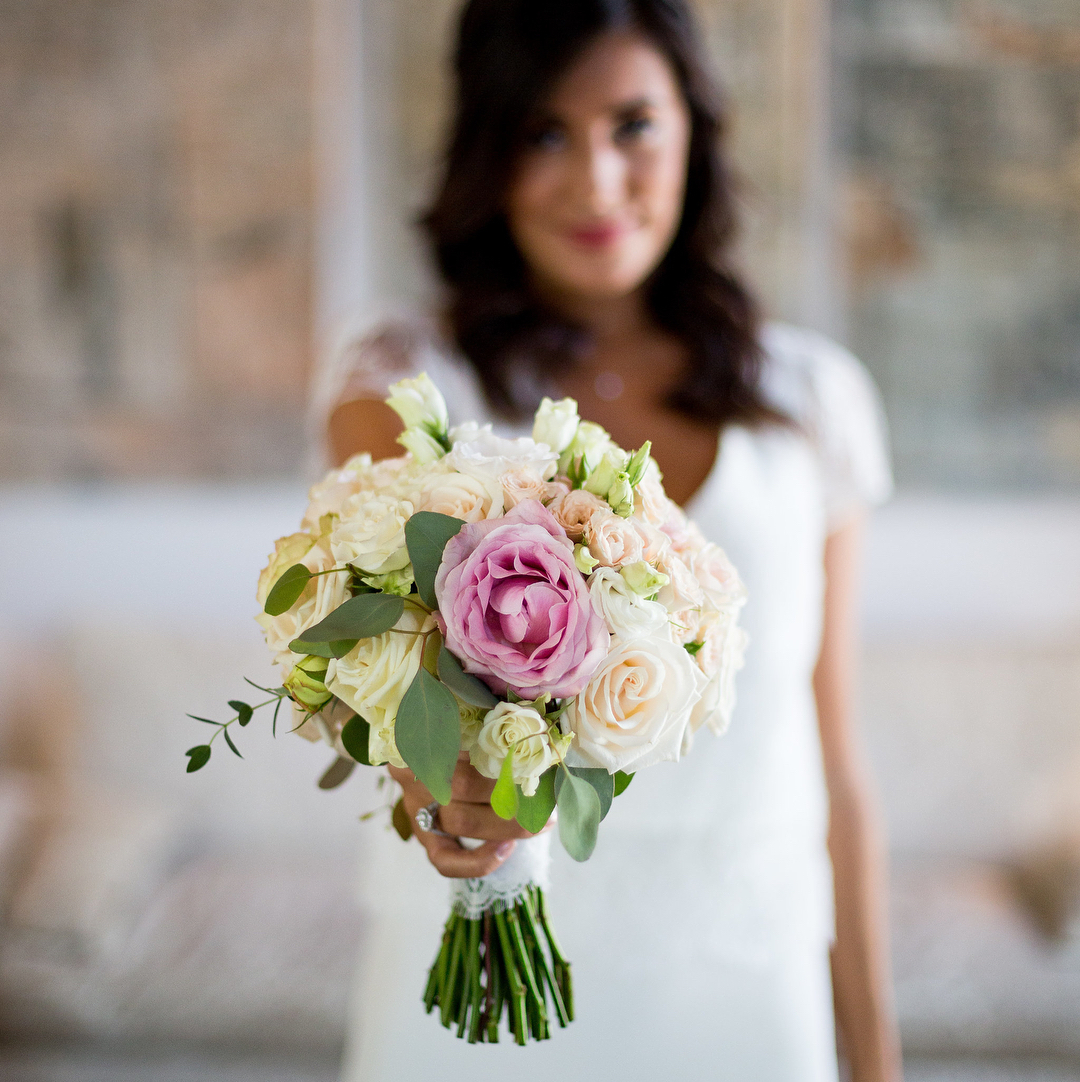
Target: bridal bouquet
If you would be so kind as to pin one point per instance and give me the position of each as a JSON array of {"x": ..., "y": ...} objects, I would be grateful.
[{"x": 538, "y": 603}]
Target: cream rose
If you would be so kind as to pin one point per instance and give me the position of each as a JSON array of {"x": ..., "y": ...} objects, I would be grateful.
[
  {"x": 724, "y": 653},
  {"x": 573, "y": 510},
  {"x": 522, "y": 483},
  {"x": 478, "y": 451},
  {"x": 373, "y": 677},
  {"x": 521, "y": 726},
  {"x": 612, "y": 540},
  {"x": 320, "y": 597},
  {"x": 462, "y": 495},
  {"x": 682, "y": 591},
  {"x": 626, "y": 613},
  {"x": 371, "y": 533},
  {"x": 636, "y": 708}
]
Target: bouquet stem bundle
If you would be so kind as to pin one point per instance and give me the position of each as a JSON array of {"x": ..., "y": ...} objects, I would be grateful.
[{"x": 506, "y": 960}]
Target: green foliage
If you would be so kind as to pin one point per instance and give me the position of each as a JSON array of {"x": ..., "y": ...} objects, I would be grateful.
[
  {"x": 692, "y": 648},
  {"x": 600, "y": 780},
  {"x": 228, "y": 740},
  {"x": 504, "y": 797},
  {"x": 355, "y": 737},
  {"x": 579, "y": 815},
  {"x": 287, "y": 590},
  {"x": 361, "y": 617},
  {"x": 198, "y": 757},
  {"x": 243, "y": 711},
  {"x": 428, "y": 733},
  {"x": 323, "y": 649},
  {"x": 534, "y": 811},
  {"x": 337, "y": 773},
  {"x": 464, "y": 685},
  {"x": 426, "y": 534},
  {"x": 622, "y": 781}
]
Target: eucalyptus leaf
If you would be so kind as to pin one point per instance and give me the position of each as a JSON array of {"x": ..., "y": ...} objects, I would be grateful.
[
  {"x": 602, "y": 782},
  {"x": 534, "y": 811},
  {"x": 209, "y": 721},
  {"x": 622, "y": 781},
  {"x": 402, "y": 822},
  {"x": 232, "y": 746},
  {"x": 287, "y": 590},
  {"x": 337, "y": 773},
  {"x": 504, "y": 797},
  {"x": 426, "y": 534},
  {"x": 361, "y": 617},
  {"x": 243, "y": 711},
  {"x": 323, "y": 649},
  {"x": 355, "y": 737},
  {"x": 198, "y": 757},
  {"x": 579, "y": 816},
  {"x": 468, "y": 688},
  {"x": 428, "y": 733}
]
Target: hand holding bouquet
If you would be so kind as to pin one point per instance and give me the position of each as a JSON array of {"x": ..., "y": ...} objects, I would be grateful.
[{"x": 537, "y": 603}]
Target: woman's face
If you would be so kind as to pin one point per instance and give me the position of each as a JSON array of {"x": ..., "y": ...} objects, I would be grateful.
[{"x": 597, "y": 194}]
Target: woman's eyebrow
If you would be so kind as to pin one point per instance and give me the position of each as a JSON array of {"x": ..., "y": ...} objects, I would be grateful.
[{"x": 635, "y": 105}]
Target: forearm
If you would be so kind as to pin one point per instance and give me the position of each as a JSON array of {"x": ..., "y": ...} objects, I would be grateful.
[{"x": 860, "y": 966}]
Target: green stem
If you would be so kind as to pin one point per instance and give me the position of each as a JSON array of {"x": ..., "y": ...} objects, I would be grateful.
[
  {"x": 516, "y": 988},
  {"x": 529, "y": 915},
  {"x": 447, "y": 1000}
]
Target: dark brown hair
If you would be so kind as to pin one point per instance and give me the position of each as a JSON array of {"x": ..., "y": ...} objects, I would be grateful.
[{"x": 509, "y": 54}]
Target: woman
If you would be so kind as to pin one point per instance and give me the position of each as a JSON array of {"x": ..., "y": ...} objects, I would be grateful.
[{"x": 582, "y": 231}]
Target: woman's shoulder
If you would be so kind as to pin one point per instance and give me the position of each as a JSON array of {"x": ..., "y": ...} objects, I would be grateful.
[{"x": 834, "y": 400}]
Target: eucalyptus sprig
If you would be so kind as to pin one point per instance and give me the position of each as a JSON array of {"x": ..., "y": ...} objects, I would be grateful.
[{"x": 199, "y": 755}]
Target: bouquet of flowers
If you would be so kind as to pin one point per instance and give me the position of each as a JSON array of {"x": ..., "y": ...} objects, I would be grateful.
[{"x": 540, "y": 604}]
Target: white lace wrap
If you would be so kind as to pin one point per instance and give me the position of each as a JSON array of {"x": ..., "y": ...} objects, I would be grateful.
[{"x": 528, "y": 865}]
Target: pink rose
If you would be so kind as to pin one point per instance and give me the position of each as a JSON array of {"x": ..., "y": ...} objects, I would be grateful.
[{"x": 515, "y": 609}]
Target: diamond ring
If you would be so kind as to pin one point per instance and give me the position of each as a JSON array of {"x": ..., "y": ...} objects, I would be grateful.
[{"x": 427, "y": 819}]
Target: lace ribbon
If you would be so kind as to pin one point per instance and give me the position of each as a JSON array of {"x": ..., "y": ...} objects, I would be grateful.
[{"x": 527, "y": 865}]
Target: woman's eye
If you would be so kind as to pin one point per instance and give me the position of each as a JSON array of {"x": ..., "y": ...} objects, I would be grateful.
[
  {"x": 548, "y": 138},
  {"x": 632, "y": 129}
]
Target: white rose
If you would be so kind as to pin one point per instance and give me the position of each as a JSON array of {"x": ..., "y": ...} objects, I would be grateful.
[
  {"x": 654, "y": 542},
  {"x": 718, "y": 578},
  {"x": 483, "y": 454},
  {"x": 374, "y": 675},
  {"x": 682, "y": 591},
  {"x": 613, "y": 540},
  {"x": 320, "y": 597},
  {"x": 522, "y": 726},
  {"x": 371, "y": 533},
  {"x": 636, "y": 708},
  {"x": 419, "y": 404},
  {"x": 556, "y": 423},
  {"x": 462, "y": 495},
  {"x": 573, "y": 510},
  {"x": 626, "y": 613},
  {"x": 727, "y": 650}
]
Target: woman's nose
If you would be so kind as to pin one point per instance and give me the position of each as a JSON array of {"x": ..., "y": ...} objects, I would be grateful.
[{"x": 602, "y": 177}]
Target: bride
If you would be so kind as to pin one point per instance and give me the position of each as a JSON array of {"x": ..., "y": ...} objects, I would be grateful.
[{"x": 582, "y": 231}]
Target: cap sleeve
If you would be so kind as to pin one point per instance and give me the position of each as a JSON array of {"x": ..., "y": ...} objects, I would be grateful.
[{"x": 832, "y": 396}]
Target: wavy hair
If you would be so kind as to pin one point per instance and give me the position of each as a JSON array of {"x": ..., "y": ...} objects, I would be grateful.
[{"x": 509, "y": 54}]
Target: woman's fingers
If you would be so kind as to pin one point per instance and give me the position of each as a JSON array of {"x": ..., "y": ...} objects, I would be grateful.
[
  {"x": 478, "y": 821},
  {"x": 469, "y": 785},
  {"x": 454, "y": 862}
]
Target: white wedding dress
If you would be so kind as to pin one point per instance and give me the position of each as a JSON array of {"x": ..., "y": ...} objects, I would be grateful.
[{"x": 699, "y": 931}]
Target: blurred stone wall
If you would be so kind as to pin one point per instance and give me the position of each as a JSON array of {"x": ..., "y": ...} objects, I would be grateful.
[
  {"x": 959, "y": 122},
  {"x": 156, "y": 217}
]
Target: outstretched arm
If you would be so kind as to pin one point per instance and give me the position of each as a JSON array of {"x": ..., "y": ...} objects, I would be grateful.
[{"x": 860, "y": 956}]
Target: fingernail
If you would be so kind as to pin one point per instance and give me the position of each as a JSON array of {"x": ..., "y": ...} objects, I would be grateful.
[{"x": 504, "y": 849}]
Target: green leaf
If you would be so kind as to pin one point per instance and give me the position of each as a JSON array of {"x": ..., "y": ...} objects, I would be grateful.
[
  {"x": 579, "y": 816},
  {"x": 287, "y": 590},
  {"x": 361, "y": 617},
  {"x": 209, "y": 721},
  {"x": 693, "y": 648},
  {"x": 534, "y": 811},
  {"x": 337, "y": 773},
  {"x": 243, "y": 711},
  {"x": 622, "y": 782},
  {"x": 428, "y": 733},
  {"x": 426, "y": 534},
  {"x": 228, "y": 740},
  {"x": 323, "y": 649},
  {"x": 465, "y": 686},
  {"x": 504, "y": 797},
  {"x": 198, "y": 757},
  {"x": 600, "y": 780},
  {"x": 401, "y": 821},
  {"x": 355, "y": 737}
]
